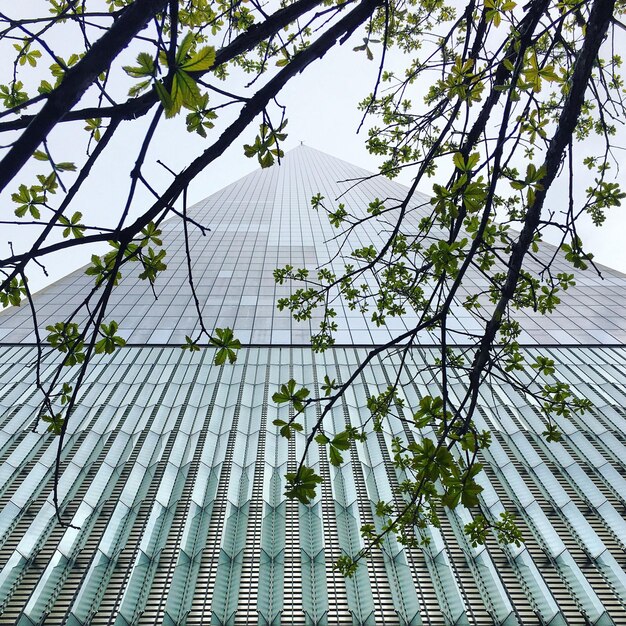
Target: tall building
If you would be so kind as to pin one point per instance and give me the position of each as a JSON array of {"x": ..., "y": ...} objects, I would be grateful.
[{"x": 173, "y": 473}]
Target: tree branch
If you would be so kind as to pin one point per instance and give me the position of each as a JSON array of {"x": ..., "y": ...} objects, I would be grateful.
[
  {"x": 138, "y": 107},
  {"x": 76, "y": 81}
]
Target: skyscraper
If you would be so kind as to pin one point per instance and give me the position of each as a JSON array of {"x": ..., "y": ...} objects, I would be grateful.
[{"x": 173, "y": 473}]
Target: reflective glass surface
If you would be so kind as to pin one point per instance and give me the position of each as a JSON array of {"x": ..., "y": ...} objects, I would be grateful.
[{"x": 265, "y": 221}]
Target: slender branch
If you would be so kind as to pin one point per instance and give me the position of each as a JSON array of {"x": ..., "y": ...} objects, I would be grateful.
[
  {"x": 137, "y": 107},
  {"x": 596, "y": 30},
  {"x": 20, "y": 261},
  {"x": 339, "y": 32},
  {"x": 76, "y": 81}
]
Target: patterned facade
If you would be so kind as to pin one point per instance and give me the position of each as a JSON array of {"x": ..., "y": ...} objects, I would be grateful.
[{"x": 173, "y": 474}]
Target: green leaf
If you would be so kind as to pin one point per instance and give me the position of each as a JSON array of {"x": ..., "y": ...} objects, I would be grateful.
[
  {"x": 472, "y": 161},
  {"x": 74, "y": 227},
  {"x": 163, "y": 94},
  {"x": 266, "y": 144},
  {"x": 316, "y": 200},
  {"x": 190, "y": 345},
  {"x": 346, "y": 566},
  {"x": 471, "y": 489},
  {"x": 552, "y": 433},
  {"x": 302, "y": 485},
  {"x": 335, "y": 457},
  {"x": 27, "y": 198},
  {"x": 152, "y": 263},
  {"x": 145, "y": 66},
  {"x": 341, "y": 440},
  {"x": 227, "y": 345},
  {"x": 431, "y": 409},
  {"x": 55, "y": 422},
  {"x": 12, "y": 294},
  {"x": 285, "y": 393},
  {"x": 459, "y": 161},
  {"x": 184, "y": 47},
  {"x": 66, "y": 393},
  {"x": 329, "y": 385},
  {"x": 151, "y": 234},
  {"x": 289, "y": 393},
  {"x": 474, "y": 196},
  {"x": 110, "y": 341},
  {"x": 92, "y": 125},
  {"x": 44, "y": 87},
  {"x": 66, "y": 338},
  {"x": 184, "y": 90},
  {"x": 201, "y": 61},
  {"x": 477, "y": 531}
]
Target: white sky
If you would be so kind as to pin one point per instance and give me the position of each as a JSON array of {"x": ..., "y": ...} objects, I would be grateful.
[{"x": 321, "y": 108}]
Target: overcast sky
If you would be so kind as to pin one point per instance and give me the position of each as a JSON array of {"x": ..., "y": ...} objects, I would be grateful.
[{"x": 322, "y": 112}]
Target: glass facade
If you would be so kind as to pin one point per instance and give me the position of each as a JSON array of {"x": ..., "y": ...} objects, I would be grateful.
[
  {"x": 265, "y": 221},
  {"x": 173, "y": 474}
]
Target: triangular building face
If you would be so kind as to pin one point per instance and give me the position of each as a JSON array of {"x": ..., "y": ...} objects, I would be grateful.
[
  {"x": 265, "y": 221},
  {"x": 173, "y": 474}
]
